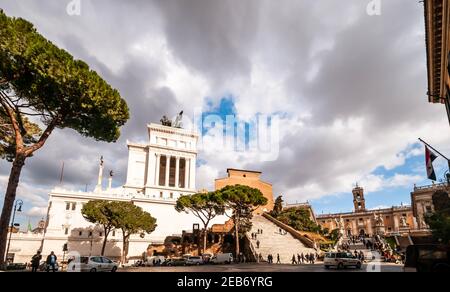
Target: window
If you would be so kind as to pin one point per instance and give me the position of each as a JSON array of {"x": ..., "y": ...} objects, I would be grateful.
[
  {"x": 387, "y": 217},
  {"x": 74, "y": 206},
  {"x": 182, "y": 173},
  {"x": 161, "y": 194},
  {"x": 80, "y": 233},
  {"x": 171, "y": 195},
  {"x": 66, "y": 231},
  {"x": 172, "y": 171},
  {"x": 162, "y": 170},
  {"x": 67, "y": 206},
  {"x": 428, "y": 209},
  {"x": 90, "y": 233},
  {"x": 107, "y": 261}
]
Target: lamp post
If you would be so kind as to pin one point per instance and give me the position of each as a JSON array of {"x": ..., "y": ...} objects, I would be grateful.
[{"x": 19, "y": 203}]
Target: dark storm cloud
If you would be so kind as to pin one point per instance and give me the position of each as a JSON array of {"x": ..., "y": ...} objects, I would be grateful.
[{"x": 365, "y": 103}]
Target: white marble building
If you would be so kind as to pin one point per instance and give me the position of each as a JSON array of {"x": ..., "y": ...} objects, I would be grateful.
[{"x": 158, "y": 173}]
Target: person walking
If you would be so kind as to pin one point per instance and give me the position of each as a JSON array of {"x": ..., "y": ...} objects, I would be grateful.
[
  {"x": 257, "y": 243},
  {"x": 35, "y": 260},
  {"x": 311, "y": 258},
  {"x": 294, "y": 262},
  {"x": 278, "y": 258},
  {"x": 298, "y": 259},
  {"x": 51, "y": 262},
  {"x": 303, "y": 258},
  {"x": 307, "y": 258}
]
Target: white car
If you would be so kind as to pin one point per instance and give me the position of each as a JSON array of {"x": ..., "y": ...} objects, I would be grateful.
[
  {"x": 92, "y": 264},
  {"x": 194, "y": 261},
  {"x": 341, "y": 260},
  {"x": 222, "y": 258}
]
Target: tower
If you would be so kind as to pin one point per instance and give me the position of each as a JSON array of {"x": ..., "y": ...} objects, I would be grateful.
[{"x": 358, "y": 199}]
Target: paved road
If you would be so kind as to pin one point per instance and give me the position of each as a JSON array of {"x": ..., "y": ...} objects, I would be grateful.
[{"x": 263, "y": 267}]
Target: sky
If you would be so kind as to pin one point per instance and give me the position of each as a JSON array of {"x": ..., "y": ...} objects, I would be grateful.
[{"x": 347, "y": 89}]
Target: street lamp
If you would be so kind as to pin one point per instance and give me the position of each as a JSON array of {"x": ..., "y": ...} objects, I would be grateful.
[{"x": 19, "y": 203}]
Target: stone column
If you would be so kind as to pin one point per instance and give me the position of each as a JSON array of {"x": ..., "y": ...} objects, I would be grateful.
[
  {"x": 177, "y": 171},
  {"x": 369, "y": 226},
  {"x": 186, "y": 173},
  {"x": 167, "y": 170},
  {"x": 192, "y": 174},
  {"x": 396, "y": 223},
  {"x": 158, "y": 162}
]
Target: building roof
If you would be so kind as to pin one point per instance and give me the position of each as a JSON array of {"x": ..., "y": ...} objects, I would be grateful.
[{"x": 242, "y": 170}]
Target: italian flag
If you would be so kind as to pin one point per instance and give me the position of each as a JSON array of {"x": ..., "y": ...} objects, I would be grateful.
[{"x": 429, "y": 158}]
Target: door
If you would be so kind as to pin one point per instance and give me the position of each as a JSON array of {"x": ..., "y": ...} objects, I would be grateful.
[
  {"x": 107, "y": 264},
  {"x": 97, "y": 263}
]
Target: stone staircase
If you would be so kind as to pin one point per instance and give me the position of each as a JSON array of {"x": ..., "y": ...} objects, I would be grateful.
[{"x": 272, "y": 242}]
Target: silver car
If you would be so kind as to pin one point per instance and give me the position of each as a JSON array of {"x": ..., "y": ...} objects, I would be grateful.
[
  {"x": 92, "y": 264},
  {"x": 341, "y": 260}
]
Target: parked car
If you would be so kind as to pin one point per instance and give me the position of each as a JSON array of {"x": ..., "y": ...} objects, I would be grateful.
[
  {"x": 427, "y": 258},
  {"x": 92, "y": 264},
  {"x": 175, "y": 262},
  {"x": 341, "y": 260},
  {"x": 194, "y": 261},
  {"x": 43, "y": 266},
  {"x": 155, "y": 260},
  {"x": 222, "y": 258}
]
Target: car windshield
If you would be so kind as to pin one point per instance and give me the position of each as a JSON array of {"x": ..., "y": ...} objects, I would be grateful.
[{"x": 330, "y": 255}]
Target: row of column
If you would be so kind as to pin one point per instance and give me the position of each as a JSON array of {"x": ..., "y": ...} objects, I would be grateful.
[{"x": 189, "y": 171}]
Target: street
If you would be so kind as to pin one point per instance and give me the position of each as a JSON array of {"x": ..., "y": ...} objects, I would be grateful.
[{"x": 265, "y": 268}]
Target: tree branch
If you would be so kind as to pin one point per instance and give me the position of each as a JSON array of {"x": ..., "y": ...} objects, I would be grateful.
[
  {"x": 14, "y": 123},
  {"x": 43, "y": 137}
]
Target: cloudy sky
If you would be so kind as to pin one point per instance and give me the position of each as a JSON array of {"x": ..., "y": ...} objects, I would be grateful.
[{"x": 349, "y": 91}]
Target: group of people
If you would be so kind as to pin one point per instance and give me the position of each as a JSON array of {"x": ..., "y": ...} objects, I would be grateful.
[
  {"x": 308, "y": 258},
  {"x": 270, "y": 259},
  {"x": 51, "y": 262}
]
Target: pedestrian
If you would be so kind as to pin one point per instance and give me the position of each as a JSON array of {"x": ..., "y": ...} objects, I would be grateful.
[
  {"x": 278, "y": 258},
  {"x": 311, "y": 258},
  {"x": 294, "y": 262},
  {"x": 298, "y": 258},
  {"x": 257, "y": 244},
  {"x": 303, "y": 258},
  {"x": 279, "y": 230},
  {"x": 35, "y": 260},
  {"x": 261, "y": 231},
  {"x": 307, "y": 258},
  {"x": 269, "y": 259},
  {"x": 51, "y": 262},
  {"x": 256, "y": 236}
]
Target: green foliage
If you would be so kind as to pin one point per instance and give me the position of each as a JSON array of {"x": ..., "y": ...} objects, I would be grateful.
[
  {"x": 205, "y": 206},
  {"x": 439, "y": 221},
  {"x": 48, "y": 82},
  {"x": 299, "y": 219},
  {"x": 8, "y": 141},
  {"x": 334, "y": 234},
  {"x": 131, "y": 219},
  {"x": 278, "y": 207},
  {"x": 99, "y": 212},
  {"x": 242, "y": 200}
]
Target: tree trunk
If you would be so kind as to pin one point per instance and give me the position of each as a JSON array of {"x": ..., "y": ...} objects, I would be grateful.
[
  {"x": 125, "y": 248},
  {"x": 236, "y": 230},
  {"x": 205, "y": 235},
  {"x": 8, "y": 204},
  {"x": 106, "y": 230}
]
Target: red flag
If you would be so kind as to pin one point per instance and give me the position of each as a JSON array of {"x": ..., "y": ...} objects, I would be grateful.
[{"x": 429, "y": 158}]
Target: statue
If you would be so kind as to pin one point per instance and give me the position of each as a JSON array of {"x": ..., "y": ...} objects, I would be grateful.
[
  {"x": 177, "y": 123},
  {"x": 166, "y": 122},
  {"x": 111, "y": 173},
  {"x": 378, "y": 220},
  {"x": 403, "y": 221}
]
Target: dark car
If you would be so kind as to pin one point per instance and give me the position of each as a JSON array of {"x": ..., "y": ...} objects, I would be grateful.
[
  {"x": 175, "y": 262},
  {"x": 427, "y": 258}
]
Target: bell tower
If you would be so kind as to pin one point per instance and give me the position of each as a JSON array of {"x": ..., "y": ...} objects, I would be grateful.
[{"x": 358, "y": 199}]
